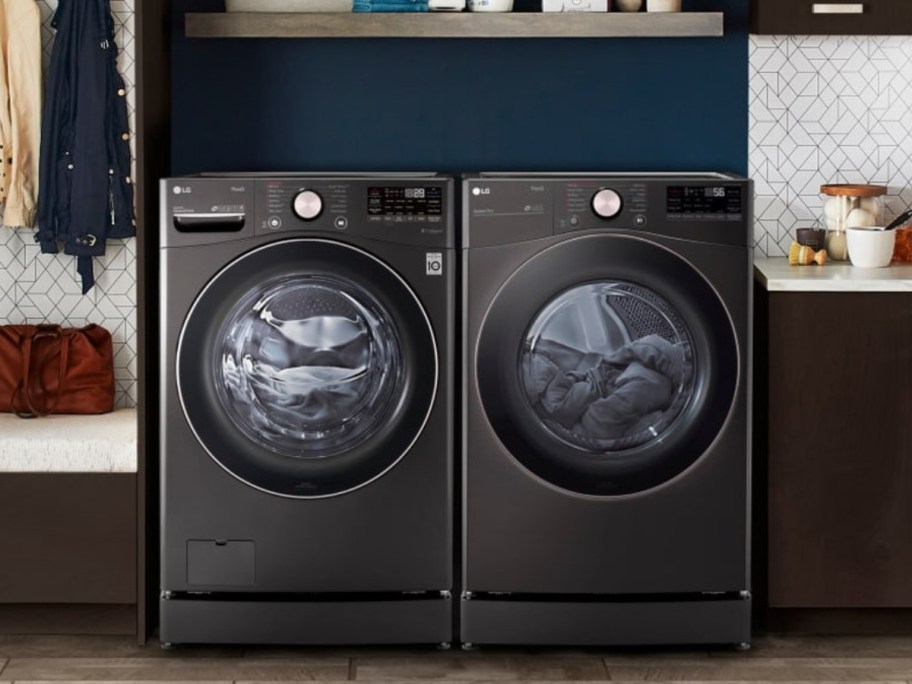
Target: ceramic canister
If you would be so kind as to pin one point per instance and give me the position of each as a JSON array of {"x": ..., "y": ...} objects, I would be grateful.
[{"x": 663, "y": 5}]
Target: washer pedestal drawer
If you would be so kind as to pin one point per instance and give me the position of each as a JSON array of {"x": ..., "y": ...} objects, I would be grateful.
[{"x": 193, "y": 620}]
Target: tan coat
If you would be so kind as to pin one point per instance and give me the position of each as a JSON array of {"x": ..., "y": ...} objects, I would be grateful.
[{"x": 20, "y": 110}]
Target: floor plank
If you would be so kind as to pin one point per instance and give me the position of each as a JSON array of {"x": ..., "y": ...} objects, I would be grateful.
[
  {"x": 811, "y": 646},
  {"x": 59, "y": 646},
  {"x": 563, "y": 681},
  {"x": 410, "y": 652},
  {"x": 466, "y": 667},
  {"x": 762, "y": 669},
  {"x": 773, "y": 659},
  {"x": 530, "y": 681},
  {"x": 175, "y": 669},
  {"x": 267, "y": 652},
  {"x": 433, "y": 681},
  {"x": 480, "y": 681}
]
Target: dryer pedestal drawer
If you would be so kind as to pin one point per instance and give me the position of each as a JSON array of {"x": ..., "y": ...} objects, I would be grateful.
[{"x": 578, "y": 623}]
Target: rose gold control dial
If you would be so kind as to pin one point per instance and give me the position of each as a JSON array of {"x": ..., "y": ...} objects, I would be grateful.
[
  {"x": 307, "y": 205},
  {"x": 606, "y": 203}
]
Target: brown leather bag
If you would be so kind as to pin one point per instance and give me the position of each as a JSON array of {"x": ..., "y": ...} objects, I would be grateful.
[{"x": 47, "y": 369}]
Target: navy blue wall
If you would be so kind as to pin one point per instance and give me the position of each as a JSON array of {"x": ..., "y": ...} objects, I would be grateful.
[{"x": 462, "y": 105}]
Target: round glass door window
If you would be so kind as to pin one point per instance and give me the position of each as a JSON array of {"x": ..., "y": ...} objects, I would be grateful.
[
  {"x": 308, "y": 366},
  {"x": 607, "y": 367}
]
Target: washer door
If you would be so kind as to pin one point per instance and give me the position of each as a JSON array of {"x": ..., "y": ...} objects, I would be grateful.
[
  {"x": 307, "y": 368},
  {"x": 607, "y": 365}
]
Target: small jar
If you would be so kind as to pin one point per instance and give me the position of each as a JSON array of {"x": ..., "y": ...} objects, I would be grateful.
[{"x": 849, "y": 206}]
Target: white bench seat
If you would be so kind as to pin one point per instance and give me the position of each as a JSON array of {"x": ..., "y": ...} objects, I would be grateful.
[{"x": 69, "y": 444}]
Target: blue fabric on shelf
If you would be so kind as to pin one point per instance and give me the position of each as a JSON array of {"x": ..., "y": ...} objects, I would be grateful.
[
  {"x": 384, "y": 7},
  {"x": 390, "y": 6}
]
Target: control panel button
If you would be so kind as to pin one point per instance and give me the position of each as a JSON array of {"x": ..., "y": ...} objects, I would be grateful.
[
  {"x": 307, "y": 205},
  {"x": 574, "y": 221},
  {"x": 606, "y": 203},
  {"x": 341, "y": 223},
  {"x": 274, "y": 222},
  {"x": 640, "y": 221}
]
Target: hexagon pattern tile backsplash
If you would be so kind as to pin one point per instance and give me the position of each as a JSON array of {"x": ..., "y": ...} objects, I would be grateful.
[
  {"x": 826, "y": 109},
  {"x": 39, "y": 288}
]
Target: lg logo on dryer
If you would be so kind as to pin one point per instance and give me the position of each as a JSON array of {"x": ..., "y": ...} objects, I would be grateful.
[{"x": 478, "y": 192}]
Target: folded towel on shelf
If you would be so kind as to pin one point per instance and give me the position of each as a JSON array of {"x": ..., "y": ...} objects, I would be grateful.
[{"x": 390, "y": 6}]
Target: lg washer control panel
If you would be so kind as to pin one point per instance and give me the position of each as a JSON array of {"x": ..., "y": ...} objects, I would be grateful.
[
  {"x": 301, "y": 204},
  {"x": 387, "y": 208}
]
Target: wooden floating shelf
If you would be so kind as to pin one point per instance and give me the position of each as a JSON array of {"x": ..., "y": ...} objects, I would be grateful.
[{"x": 453, "y": 25}]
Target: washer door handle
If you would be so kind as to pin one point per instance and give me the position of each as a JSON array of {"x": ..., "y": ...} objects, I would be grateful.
[{"x": 209, "y": 223}]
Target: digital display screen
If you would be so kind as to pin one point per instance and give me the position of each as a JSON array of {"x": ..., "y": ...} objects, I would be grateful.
[
  {"x": 405, "y": 201},
  {"x": 702, "y": 199}
]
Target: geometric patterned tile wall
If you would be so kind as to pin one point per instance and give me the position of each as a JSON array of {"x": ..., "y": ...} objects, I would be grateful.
[
  {"x": 822, "y": 109},
  {"x": 36, "y": 288},
  {"x": 831, "y": 109}
]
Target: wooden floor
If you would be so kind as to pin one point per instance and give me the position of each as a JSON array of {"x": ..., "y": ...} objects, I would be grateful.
[{"x": 772, "y": 659}]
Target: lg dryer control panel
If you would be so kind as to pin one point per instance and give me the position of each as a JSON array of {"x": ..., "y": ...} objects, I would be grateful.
[
  {"x": 500, "y": 209},
  {"x": 583, "y": 200}
]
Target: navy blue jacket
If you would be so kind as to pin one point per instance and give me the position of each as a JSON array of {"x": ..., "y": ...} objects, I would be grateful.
[{"x": 85, "y": 192}]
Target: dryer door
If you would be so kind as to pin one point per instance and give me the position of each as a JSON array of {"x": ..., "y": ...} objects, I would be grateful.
[
  {"x": 607, "y": 365},
  {"x": 307, "y": 368}
]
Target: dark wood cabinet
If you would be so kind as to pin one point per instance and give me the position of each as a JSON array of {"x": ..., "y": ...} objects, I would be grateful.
[
  {"x": 68, "y": 544},
  {"x": 831, "y": 17},
  {"x": 834, "y": 449}
]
